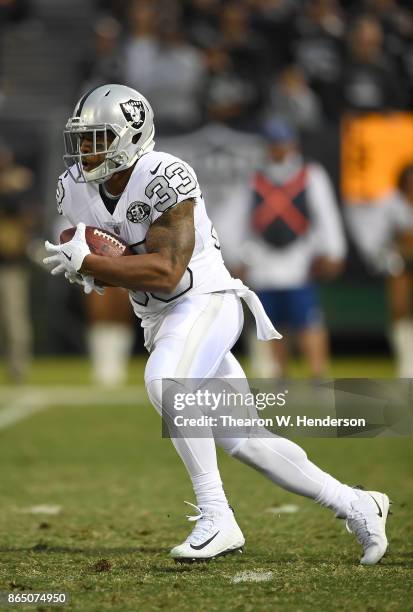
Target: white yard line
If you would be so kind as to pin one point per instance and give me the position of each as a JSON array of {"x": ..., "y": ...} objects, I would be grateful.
[
  {"x": 283, "y": 509},
  {"x": 249, "y": 576},
  {"x": 73, "y": 396},
  {"x": 22, "y": 403},
  {"x": 42, "y": 509},
  {"x": 22, "y": 407}
]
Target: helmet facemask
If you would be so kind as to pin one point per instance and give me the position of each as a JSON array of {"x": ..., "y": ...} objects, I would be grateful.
[
  {"x": 117, "y": 123},
  {"x": 103, "y": 143}
]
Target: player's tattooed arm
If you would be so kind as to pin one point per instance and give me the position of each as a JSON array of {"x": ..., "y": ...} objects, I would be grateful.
[
  {"x": 169, "y": 244},
  {"x": 172, "y": 236}
]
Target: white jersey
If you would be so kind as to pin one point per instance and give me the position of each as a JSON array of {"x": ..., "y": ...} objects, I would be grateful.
[{"x": 158, "y": 182}]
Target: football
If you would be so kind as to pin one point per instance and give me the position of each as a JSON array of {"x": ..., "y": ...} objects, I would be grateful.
[{"x": 100, "y": 242}]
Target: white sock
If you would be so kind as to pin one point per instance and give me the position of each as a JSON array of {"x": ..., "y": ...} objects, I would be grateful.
[
  {"x": 402, "y": 335},
  {"x": 198, "y": 455},
  {"x": 200, "y": 460},
  {"x": 336, "y": 496},
  {"x": 110, "y": 346},
  {"x": 208, "y": 490},
  {"x": 286, "y": 464}
]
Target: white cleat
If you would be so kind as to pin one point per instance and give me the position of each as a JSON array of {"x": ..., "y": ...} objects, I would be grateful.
[
  {"x": 367, "y": 520},
  {"x": 216, "y": 533}
]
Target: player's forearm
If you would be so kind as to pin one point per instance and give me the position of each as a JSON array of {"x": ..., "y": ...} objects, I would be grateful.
[{"x": 149, "y": 272}]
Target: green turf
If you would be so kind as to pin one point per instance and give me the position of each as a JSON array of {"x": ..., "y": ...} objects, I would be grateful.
[
  {"x": 121, "y": 488},
  {"x": 78, "y": 371}
]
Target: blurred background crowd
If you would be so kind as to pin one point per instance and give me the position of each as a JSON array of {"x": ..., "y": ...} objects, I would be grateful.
[{"x": 313, "y": 95}]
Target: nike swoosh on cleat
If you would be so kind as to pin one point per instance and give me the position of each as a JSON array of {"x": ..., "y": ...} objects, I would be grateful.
[
  {"x": 201, "y": 546},
  {"x": 66, "y": 255},
  {"x": 156, "y": 169},
  {"x": 378, "y": 507}
]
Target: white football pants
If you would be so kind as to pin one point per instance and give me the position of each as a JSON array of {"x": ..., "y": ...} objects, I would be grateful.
[{"x": 195, "y": 341}]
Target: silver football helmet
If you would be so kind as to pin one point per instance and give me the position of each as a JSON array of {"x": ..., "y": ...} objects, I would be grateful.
[{"x": 118, "y": 122}]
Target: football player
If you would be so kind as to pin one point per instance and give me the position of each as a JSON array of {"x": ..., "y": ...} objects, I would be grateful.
[{"x": 188, "y": 303}]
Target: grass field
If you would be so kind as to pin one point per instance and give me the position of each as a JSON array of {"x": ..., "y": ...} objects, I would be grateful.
[{"x": 96, "y": 459}]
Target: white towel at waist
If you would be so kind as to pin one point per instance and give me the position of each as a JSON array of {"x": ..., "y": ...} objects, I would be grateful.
[{"x": 265, "y": 329}]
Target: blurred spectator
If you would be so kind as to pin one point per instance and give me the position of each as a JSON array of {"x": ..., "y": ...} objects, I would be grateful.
[
  {"x": 201, "y": 18},
  {"x": 397, "y": 24},
  {"x": 292, "y": 98},
  {"x": 101, "y": 63},
  {"x": 165, "y": 68},
  {"x": 239, "y": 65},
  {"x": 369, "y": 81},
  {"x": 237, "y": 37},
  {"x": 15, "y": 223},
  {"x": 142, "y": 44},
  {"x": 296, "y": 239},
  {"x": 273, "y": 20},
  {"x": 230, "y": 97},
  {"x": 384, "y": 235},
  {"x": 317, "y": 48},
  {"x": 178, "y": 92},
  {"x": 11, "y": 12}
]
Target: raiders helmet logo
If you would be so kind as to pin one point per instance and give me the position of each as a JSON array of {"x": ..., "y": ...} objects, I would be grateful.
[
  {"x": 134, "y": 111},
  {"x": 138, "y": 212}
]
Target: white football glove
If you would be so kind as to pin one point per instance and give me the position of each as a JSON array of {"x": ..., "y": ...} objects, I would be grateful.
[
  {"x": 87, "y": 282},
  {"x": 68, "y": 257}
]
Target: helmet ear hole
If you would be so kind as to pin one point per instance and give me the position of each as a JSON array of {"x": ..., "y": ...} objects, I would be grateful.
[{"x": 136, "y": 138}]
